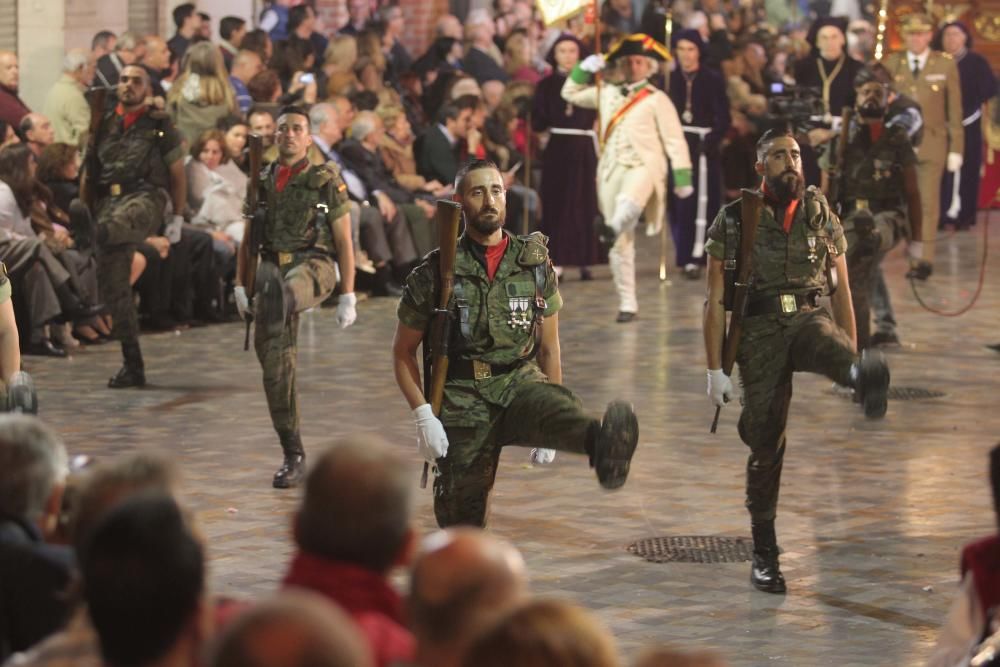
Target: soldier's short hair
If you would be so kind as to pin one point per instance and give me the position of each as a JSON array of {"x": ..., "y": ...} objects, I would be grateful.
[
  {"x": 766, "y": 139},
  {"x": 874, "y": 72},
  {"x": 469, "y": 167},
  {"x": 294, "y": 109}
]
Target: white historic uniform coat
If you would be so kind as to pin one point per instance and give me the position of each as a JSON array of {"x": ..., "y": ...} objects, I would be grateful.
[{"x": 645, "y": 141}]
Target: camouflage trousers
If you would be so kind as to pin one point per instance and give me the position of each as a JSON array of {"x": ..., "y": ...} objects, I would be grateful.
[
  {"x": 869, "y": 239},
  {"x": 772, "y": 348},
  {"x": 306, "y": 284},
  {"x": 123, "y": 223},
  {"x": 540, "y": 415}
]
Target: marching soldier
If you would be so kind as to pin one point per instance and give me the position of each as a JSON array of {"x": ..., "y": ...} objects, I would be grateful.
[
  {"x": 139, "y": 158},
  {"x": 876, "y": 180},
  {"x": 797, "y": 241},
  {"x": 504, "y": 373},
  {"x": 306, "y": 222},
  {"x": 932, "y": 79},
  {"x": 641, "y": 134}
]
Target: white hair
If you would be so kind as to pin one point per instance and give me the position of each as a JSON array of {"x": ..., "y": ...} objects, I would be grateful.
[
  {"x": 75, "y": 60},
  {"x": 34, "y": 461},
  {"x": 320, "y": 113},
  {"x": 363, "y": 125},
  {"x": 478, "y": 17}
]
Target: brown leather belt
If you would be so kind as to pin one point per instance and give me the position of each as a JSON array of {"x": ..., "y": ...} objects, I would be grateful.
[
  {"x": 782, "y": 304},
  {"x": 283, "y": 259},
  {"x": 474, "y": 369}
]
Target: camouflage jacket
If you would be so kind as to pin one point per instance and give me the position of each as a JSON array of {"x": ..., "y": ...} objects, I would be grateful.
[
  {"x": 302, "y": 214},
  {"x": 873, "y": 171},
  {"x": 141, "y": 154},
  {"x": 783, "y": 262},
  {"x": 492, "y": 320}
]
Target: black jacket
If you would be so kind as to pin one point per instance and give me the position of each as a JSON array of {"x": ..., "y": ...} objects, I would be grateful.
[{"x": 372, "y": 171}]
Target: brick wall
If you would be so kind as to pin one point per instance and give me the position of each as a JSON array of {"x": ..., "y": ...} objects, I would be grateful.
[{"x": 420, "y": 17}]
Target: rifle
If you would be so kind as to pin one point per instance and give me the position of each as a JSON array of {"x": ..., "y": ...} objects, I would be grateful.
[
  {"x": 435, "y": 348},
  {"x": 750, "y": 209},
  {"x": 837, "y": 172},
  {"x": 246, "y": 266},
  {"x": 92, "y": 164}
]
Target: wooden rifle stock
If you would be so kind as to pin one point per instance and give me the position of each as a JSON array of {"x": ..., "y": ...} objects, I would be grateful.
[
  {"x": 246, "y": 266},
  {"x": 449, "y": 216},
  {"x": 92, "y": 165},
  {"x": 837, "y": 173},
  {"x": 751, "y": 205}
]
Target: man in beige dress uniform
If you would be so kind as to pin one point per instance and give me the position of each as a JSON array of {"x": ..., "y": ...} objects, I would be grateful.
[
  {"x": 931, "y": 78},
  {"x": 642, "y": 136}
]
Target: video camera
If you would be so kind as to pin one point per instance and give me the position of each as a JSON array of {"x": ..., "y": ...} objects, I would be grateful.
[{"x": 798, "y": 107}]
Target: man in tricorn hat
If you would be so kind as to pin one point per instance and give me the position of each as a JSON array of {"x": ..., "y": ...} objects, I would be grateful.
[
  {"x": 931, "y": 78},
  {"x": 632, "y": 171}
]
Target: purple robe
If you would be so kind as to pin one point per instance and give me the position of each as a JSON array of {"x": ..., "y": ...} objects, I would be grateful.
[{"x": 569, "y": 177}]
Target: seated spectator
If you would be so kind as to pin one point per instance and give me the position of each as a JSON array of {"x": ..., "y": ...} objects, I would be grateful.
[
  {"x": 59, "y": 171},
  {"x": 445, "y": 54},
  {"x": 437, "y": 151},
  {"x": 411, "y": 91},
  {"x": 261, "y": 122},
  {"x": 245, "y": 66},
  {"x": 37, "y": 132},
  {"x": 352, "y": 528},
  {"x": 358, "y": 11},
  {"x": 294, "y": 62},
  {"x": 293, "y": 629},
  {"x": 518, "y": 60},
  {"x": 232, "y": 29},
  {"x": 463, "y": 580},
  {"x": 143, "y": 575},
  {"x": 483, "y": 59},
  {"x": 216, "y": 192},
  {"x": 396, "y": 149},
  {"x": 7, "y": 135},
  {"x": 666, "y": 657},
  {"x": 235, "y": 130},
  {"x": 545, "y": 633},
  {"x": 33, "y": 574},
  {"x": 102, "y": 488},
  {"x": 391, "y": 16},
  {"x": 302, "y": 27},
  {"x": 65, "y": 105},
  {"x": 12, "y": 109},
  {"x": 129, "y": 48},
  {"x": 202, "y": 94},
  {"x": 260, "y": 43}
]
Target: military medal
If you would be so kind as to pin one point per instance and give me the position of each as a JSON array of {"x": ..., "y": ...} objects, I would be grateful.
[
  {"x": 811, "y": 240},
  {"x": 521, "y": 314}
]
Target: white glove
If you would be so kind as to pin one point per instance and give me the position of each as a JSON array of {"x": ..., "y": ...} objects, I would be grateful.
[
  {"x": 346, "y": 312},
  {"x": 432, "y": 441},
  {"x": 242, "y": 301},
  {"x": 173, "y": 229},
  {"x": 593, "y": 63},
  {"x": 542, "y": 456},
  {"x": 915, "y": 250},
  {"x": 720, "y": 387},
  {"x": 954, "y": 162},
  {"x": 684, "y": 191}
]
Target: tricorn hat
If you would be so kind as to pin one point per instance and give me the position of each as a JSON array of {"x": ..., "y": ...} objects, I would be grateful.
[
  {"x": 638, "y": 44},
  {"x": 918, "y": 22}
]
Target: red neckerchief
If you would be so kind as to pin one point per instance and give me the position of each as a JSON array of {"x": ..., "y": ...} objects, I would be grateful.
[
  {"x": 789, "y": 210},
  {"x": 286, "y": 174},
  {"x": 128, "y": 119},
  {"x": 876, "y": 131},
  {"x": 494, "y": 254}
]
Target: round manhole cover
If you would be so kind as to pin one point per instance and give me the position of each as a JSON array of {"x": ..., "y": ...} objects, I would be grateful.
[
  {"x": 693, "y": 549},
  {"x": 895, "y": 393}
]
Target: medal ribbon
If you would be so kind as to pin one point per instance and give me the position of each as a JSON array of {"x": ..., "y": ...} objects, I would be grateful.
[{"x": 640, "y": 96}]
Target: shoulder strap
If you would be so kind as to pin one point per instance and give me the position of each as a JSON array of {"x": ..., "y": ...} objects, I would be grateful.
[{"x": 731, "y": 247}]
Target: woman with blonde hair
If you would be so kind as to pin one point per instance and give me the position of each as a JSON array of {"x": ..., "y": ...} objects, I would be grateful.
[
  {"x": 397, "y": 153},
  {"x": 202, "y": 94}
]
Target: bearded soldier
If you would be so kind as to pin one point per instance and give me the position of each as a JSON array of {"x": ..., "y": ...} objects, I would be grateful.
[
  {"x": 642, "y": 136},
  {"x": 798, "y": 242},
  {"x": 307, "y": 223},
  {"x": 505, "y": 373}
]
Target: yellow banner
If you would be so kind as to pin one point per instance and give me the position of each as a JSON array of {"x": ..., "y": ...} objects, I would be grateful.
[{"x": 554, "y": 11}]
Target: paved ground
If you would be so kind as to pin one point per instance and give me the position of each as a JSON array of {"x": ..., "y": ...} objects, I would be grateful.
[{"x": 871, "y": 518}]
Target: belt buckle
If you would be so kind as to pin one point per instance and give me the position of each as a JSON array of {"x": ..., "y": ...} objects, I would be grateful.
[
  {"x": 481, "y": 370},
  {"x": 285, "y": 258},
  {"x": 788, "y": 305},
  {"x": 861, "y": 205},
  {"x": 116, "y": 190}
]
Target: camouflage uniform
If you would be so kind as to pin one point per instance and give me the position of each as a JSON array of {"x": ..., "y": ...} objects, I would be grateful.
[
  {"x": 515, "y": 403},
  {"x": 776, "y": 344},
  {"x": 871, "y": 203},
  {"x": 131, "y": 188},
  {"x": 297, "y": 242}
]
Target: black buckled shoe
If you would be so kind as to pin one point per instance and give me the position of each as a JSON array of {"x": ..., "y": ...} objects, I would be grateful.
[
  {"x": 765, "y": 573},
  {"x": 884, "y": 339},
  {"x": 615, "y": 444},
  {"x": 128, "y": 377},
  {"x": 624, "y": 317},
  {"x": 291, "y": 473},
  {"x": 873, "y": 383},
  {"x": 45, "y": 348}
]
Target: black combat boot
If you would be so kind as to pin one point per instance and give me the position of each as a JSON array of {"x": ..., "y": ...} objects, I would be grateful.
[
  {"x": 132, "y": 373},
  {"x": 293, "y": 468},
  {"x": 872, "y": 382},
  {"x": 612, "y": 447},
  {"x": 765, "y": 574}
]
